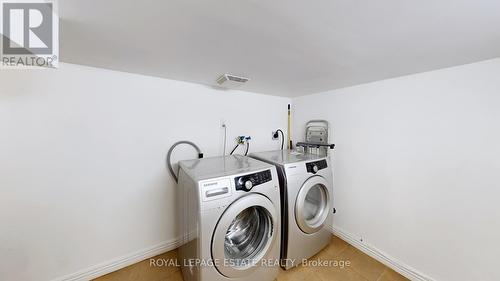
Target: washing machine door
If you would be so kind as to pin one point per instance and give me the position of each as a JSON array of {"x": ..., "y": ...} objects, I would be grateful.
[
  {"x": 244, "y": 235},
  {"x": 312, "y": 205}
]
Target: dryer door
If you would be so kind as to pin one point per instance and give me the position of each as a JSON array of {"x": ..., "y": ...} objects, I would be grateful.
[
  {"x": 244, "y": 235},
  {"x": 312, "y": 205}
]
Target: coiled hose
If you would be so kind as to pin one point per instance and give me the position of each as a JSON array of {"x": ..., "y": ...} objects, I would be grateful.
[{"x": 169, "y": 154}]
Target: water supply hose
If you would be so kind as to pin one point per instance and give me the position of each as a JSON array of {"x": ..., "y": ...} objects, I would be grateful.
[
  {"x": 232, "y": 151},
  {"x": 248, "y": 147}
]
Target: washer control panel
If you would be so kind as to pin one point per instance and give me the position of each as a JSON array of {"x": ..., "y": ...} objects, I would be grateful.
[
  {"x": 314, "y": 167},
  {"x": 247, "y": 182}
]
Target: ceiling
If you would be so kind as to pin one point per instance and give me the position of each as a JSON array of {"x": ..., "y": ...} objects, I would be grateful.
[{"x": 286, "y": 47}]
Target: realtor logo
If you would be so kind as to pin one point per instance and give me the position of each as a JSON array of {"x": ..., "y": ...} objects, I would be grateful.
[{"x": 30, "y": 33}]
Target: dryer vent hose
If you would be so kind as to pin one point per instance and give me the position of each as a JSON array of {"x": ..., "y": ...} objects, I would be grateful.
[{"x": 169, "y": 154}]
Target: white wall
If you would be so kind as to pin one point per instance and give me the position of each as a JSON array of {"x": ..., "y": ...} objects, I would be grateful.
[
  {"x": 417, "y": 167},
  {"x": 82, "y": 161},
  {"x": 83, "y": 180}
]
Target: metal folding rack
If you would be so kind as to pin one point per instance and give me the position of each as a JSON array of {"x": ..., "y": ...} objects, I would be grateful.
[{"x": 316, "y": 138}]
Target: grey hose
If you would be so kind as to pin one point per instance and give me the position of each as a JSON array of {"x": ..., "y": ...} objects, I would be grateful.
[{"x": 169, "y": 165}]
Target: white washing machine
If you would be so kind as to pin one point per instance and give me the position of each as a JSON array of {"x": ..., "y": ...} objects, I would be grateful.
[
  {"x": 306, "y": 182},
  {"x": 229, "y": 217}
]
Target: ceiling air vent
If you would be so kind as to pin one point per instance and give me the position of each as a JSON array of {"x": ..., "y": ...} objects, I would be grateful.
[{"x": 231, "y": 81}]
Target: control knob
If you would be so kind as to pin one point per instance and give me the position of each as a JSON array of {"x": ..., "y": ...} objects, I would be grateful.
[
  {"x": 248, "y": 185},
  {"x": 315, "y": 169}
]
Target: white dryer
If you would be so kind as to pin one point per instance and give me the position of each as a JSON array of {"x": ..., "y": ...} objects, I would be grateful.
[
  {"x": 306, "y": 182},
  {"x": 229, "y": 216}
]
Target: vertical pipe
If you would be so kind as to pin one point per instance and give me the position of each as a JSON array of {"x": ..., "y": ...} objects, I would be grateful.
[{"x": 289, "y": 128}]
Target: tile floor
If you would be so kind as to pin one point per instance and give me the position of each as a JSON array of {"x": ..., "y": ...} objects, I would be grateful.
[{"x": 362, "y": 268}]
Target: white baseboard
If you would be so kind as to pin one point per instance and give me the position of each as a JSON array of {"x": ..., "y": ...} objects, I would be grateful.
[
  {"x": 124, "y": 261},
  {"x": 373, "y": 252},
  {"x": 119, "y": 263}
]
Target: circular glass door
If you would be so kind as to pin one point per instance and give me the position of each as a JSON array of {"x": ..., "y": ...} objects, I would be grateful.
[
  {"x": 312, "y": 205},
  {"x": 247, "y": 235},
  {"x": 244, "y": 235}
]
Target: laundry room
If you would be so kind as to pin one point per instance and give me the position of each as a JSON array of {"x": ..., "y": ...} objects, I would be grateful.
[{"x": 249, "y": 140}]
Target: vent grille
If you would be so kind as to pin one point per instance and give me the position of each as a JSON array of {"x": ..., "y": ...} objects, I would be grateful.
[{"x": 231, "y": 81}]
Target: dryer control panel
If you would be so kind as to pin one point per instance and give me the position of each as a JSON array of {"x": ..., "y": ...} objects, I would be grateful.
[
  {"x": 314, "y": 167},
  {"x": 247, "y": 182}
]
